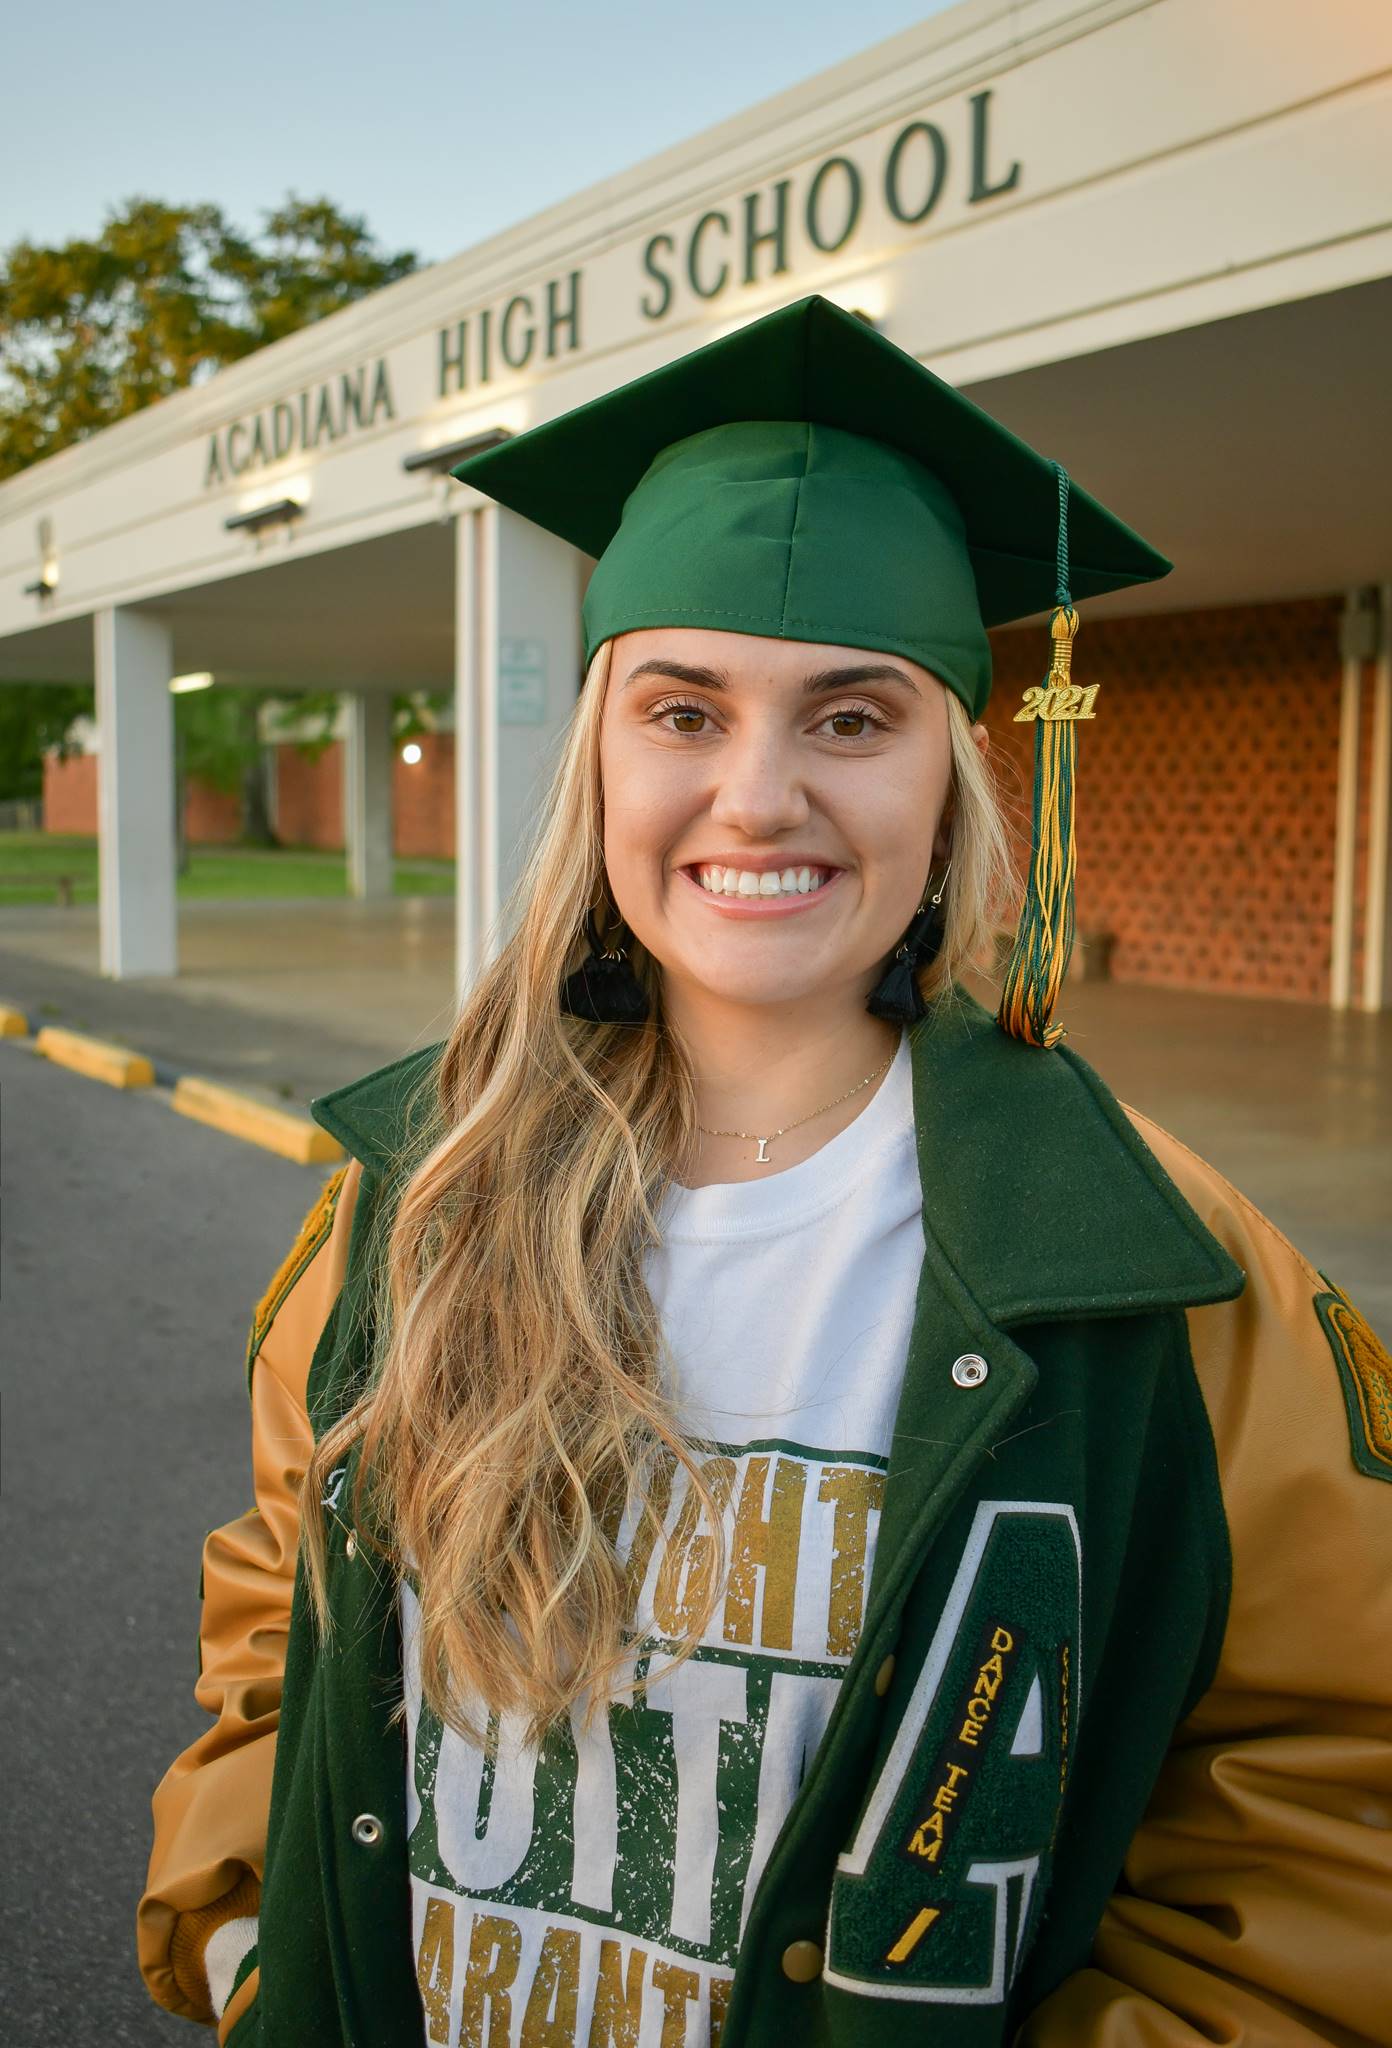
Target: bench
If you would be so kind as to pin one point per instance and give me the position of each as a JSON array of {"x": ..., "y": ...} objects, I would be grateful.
[{"x": 49, "y": 878}]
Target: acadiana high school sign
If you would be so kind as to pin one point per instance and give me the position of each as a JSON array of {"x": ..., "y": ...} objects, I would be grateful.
[
  {"x": 744, "y": 242},
  {"x": 887, "y": 183},
  {"x": 319, "y": 414}
]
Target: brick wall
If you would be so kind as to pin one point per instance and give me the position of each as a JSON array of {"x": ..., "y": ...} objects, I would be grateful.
[
  {"x": 70, "y": 793},
  {"x": 1206, "y": 790},
  {"x": 310, "y": 801},
  {"x": 70, "y": 803},
  {"x": 423, "y": 798},
  {"x": 309, "y": 796},
  {"x": 210, "y": 817}
]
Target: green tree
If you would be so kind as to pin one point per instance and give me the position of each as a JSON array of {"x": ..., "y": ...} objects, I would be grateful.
[
  {"x": 311, "y": 259},
  {"x": 93, "y": 330},
  {"x": 34, "y": 718}
]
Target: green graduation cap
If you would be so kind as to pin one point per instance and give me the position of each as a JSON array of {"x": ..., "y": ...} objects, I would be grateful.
[{"x": 804, "y": 478}]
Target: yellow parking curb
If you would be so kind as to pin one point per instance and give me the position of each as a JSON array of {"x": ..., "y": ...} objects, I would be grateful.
[
  {"x": 117, "y": 1065},
  {"x": 13, "y": 1023},
  {"x": 260, "y": 1123}
]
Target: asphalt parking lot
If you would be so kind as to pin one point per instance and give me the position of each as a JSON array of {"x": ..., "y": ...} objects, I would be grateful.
[{"x": 134, "y": 1245}]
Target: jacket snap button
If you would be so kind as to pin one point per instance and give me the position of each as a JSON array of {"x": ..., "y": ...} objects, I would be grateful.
[
  {"x": 367, "y": 1830},
  {"x": 969, "y": 1370},
  {"x": 802, "y": 1961},
  {"x": 884, "y": 1677},
  {"x": 350, "y": 1548}
]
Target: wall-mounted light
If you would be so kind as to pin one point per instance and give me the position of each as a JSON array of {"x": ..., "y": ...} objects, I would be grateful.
[
  {"x": 411, "y": 753},
  {"x": 436, "y": 461},
  {"x": 46, "y": 582},
  {"x": 279, "y": 512},
  {"x": 196, "y": 679}
]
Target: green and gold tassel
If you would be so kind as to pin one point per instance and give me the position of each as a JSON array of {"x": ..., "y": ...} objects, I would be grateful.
[{"x": 1044, "y": 936}]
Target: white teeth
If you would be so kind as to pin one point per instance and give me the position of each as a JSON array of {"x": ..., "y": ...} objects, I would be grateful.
[{"x": 721, "y": 881}]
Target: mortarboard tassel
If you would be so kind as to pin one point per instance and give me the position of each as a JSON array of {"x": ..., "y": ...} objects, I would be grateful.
[{"x": 1044, "y": 936}]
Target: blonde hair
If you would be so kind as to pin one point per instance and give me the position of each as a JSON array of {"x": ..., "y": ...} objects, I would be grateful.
[{"x": 516, "y": 1402}]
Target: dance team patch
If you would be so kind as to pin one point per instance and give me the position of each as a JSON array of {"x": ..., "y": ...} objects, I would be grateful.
[{"x": 956, "y": 1836}]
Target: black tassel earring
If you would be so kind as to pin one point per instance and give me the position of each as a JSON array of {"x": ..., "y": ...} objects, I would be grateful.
[
  {"x": 604, "y": 989},
  {"x": 897, "y": 996}
]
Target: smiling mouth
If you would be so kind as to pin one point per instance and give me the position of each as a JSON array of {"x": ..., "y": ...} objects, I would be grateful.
[{"x": 761, "y": 882}]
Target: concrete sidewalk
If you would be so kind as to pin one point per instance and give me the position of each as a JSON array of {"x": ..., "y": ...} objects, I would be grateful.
[
  {"x": 289, "y": 998},
  {"x": 1293, "y": 1102}
]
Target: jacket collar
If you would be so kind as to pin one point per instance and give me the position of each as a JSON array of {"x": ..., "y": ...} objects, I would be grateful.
[
  {"x": 375, "y": 1116},
  {"x": 1037, "y": 1189}
]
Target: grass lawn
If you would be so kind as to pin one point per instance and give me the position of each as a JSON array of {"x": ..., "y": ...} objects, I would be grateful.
[{"x": 31, "y": 862}]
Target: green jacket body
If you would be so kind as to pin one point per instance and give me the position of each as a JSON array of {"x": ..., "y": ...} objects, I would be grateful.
[{"x": 1050, "y": 1593}]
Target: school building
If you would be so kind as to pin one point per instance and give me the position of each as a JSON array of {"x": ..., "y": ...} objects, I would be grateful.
[{"x": 1154, "y": 237}]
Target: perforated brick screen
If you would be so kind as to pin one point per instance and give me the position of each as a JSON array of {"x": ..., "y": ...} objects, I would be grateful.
[{"x": 1206, "y": 789}]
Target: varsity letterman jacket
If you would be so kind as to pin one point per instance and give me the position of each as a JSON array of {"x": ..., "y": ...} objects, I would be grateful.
[{"x": 1137, "y": 1496}]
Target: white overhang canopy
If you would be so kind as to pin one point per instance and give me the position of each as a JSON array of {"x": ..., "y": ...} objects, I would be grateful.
[{"x": 1251, "y": 449}]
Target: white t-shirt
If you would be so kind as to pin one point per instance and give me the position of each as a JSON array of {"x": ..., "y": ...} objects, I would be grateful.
[{"x": 604, "y": 1881}]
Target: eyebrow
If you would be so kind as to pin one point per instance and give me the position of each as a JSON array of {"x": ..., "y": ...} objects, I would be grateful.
[{"x": 814, "y": 684}]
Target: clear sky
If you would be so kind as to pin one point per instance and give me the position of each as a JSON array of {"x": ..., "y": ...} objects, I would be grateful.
[{"x": 441, "y": 123}]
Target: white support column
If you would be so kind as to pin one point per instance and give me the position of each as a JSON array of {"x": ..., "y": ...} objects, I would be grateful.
[
  {"x": 517, "y": 672},
  {"x": 137, "y": 913},
  {"x": 475, "y": 738},
  {"x": 1354, "y": 647},
  {"x": 367, "y": 793},
  {"x": 1377, "y": 930}
]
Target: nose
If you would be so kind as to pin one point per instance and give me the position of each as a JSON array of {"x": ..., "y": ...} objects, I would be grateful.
[{"x": 760, "y": 790}]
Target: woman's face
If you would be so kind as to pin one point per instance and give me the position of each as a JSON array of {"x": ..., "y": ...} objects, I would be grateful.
[{"x": 735, "y": 765}]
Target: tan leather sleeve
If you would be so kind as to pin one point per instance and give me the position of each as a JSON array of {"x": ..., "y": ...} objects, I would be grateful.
[
  {"x": 211, "y": 1806},
  {"x": 1256, "y": 1904}
]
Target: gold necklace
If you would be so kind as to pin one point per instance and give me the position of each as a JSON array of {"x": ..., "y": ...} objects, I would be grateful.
[{"x": 761, "y": 1157}]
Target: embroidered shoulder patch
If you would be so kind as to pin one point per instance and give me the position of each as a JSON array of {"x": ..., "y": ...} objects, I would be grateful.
[
  {"x": 312, "y": 1233},
  {"x": 1365, "y": 1373}
]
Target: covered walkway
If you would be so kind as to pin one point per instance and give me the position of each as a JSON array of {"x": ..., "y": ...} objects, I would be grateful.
[
  {"x": 1211, "y": 355},
  {"x": 1293, "y": 1101}
]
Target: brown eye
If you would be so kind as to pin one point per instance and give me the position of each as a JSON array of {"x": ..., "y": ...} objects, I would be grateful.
[
  {"x": 660, "y": 713},
  {"x": 854, "y": 722}
]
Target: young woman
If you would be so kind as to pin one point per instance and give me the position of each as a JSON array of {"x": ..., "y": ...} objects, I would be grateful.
[{"x": 784, "y": 1514}]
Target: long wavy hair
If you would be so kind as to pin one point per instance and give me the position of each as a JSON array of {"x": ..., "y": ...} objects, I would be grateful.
[{"x": 517, "y": 1452}]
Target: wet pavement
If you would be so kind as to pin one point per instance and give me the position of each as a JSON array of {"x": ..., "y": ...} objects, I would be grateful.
[
  {"x": 1293, "y": 1102},
  {"x": 287, "y": 998},
  {"x": 136, "y": 1244}
]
